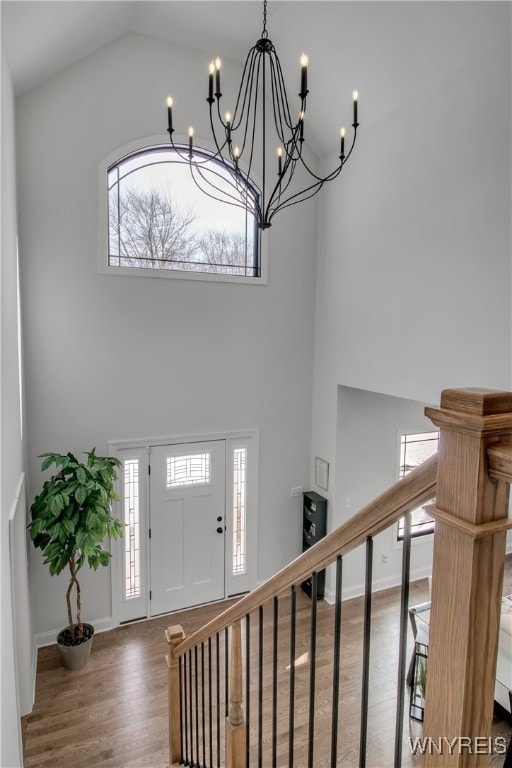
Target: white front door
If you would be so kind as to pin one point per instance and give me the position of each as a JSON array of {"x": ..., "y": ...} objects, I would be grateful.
[{"x": 187, "y": 503}]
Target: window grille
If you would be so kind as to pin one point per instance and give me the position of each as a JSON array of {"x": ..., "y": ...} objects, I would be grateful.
[
  {"x": 239, "y": 510},
  {"x": 188, "y": 470},
  {"x": 132, "y": 529},
  {"x": 159, "y": 220},
  {"x": 414, "y": 450}
]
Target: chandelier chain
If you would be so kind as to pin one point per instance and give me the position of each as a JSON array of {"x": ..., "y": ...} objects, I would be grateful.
[{"x": 264, "y": 33}]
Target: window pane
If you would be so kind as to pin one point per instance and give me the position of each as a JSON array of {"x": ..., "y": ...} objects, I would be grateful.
[
  {"x": 160, "y": 219},
  {"x": 414, "y": 450},
  {"x": 132, "y": 529},
  {"x": 188, "y": 470},
  {"x": 239, "y": 509}
]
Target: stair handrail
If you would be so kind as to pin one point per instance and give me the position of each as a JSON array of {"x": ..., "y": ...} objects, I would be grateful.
[{"x": 417, "y": 487}]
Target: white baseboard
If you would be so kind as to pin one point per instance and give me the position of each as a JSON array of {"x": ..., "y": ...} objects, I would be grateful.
[
  {"x": 43, "y": 639},
  {"x": 357, "y": 590},
  {"x": 34, "y": 670}
]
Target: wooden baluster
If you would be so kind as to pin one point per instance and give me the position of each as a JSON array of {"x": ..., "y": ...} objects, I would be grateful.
[
  {"x": 235, "y": 724},
  {"x": 174, "y": 636},
  {"x": 469, "y": 550}
]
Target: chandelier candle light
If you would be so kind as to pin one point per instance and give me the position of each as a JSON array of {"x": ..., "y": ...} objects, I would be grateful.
[{"x": 235, "y": 186}]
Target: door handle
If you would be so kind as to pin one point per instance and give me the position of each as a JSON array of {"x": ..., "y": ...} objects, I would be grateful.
[{"x": 220, "y": 530}]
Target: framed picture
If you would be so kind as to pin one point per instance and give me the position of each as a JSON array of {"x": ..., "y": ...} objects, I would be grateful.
[{"x": 322, "y": 473}]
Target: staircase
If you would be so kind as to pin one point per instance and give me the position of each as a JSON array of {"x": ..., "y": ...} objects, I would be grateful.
[{"x": 239, "y": 698}]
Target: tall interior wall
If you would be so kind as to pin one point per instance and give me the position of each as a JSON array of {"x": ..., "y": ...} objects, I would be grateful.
[
  {"x": 117, "y": 358},
  {"x": 17, "y": 661},
  {"x": 414, "y": 268}
]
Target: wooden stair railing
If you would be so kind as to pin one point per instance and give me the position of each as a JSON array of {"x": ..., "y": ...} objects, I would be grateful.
[
  {"x": 467, "y": 574},
  {"x": 416, "y": 488},
  {"x": 471, "y": 474},
  {"x": 413, "y": 490}
]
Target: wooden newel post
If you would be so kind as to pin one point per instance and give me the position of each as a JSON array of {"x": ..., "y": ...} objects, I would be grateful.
[
  {"x": 235, "y": 724},
  {"x": 174, "y": 636},
  {"x": 467, "y": 580}
]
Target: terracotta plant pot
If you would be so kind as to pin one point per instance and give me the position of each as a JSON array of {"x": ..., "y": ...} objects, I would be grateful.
[{"x": 75, "y": 656}]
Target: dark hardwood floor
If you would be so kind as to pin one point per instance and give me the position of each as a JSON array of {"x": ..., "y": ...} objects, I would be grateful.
[{"x": 114, "y": 712}]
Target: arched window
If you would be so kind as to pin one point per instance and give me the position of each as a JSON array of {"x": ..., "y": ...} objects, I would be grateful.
[{"x": 159, "y": 221}]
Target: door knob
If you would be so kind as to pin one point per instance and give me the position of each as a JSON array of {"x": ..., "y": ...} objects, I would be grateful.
[{"x": 220, "y": 530}]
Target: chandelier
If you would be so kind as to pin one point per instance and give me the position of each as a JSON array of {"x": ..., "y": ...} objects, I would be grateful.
[{"x": 236, "y": 134}]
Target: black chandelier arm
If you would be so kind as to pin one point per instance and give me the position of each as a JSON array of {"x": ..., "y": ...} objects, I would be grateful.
[
  {"x": 346, "y": 157},
  {"x": 248, "y": 128},
  {"x": 198, "y": 165},
  {"x": 283, "y": 183},
  {"x": 293, "y": 147},
  {"x": 250, "y": 84},
  {"x": 289, "y": 164},
  {"x": 297, "y": 140},
  {"x": 239, "y": 186},
  {"x": 183, "y": 153},
  {"x": 234, "y": 203},
  {"x": 231, "y": 180},
  {"x": 299, "y": 197},
  {"x": 241, "y": 178},
  {"x": 275, "y": 66},
  {"x": 248, "y": 78},
  {"x": 237, "y": 179},
  {"x": 225, "y": 197},
  {"x": 302, "y": 195},
  {"x": 329, "y": 177},
  {"x": 219, "y": 147},
  {"x": 206, "y": 190},
  {"x": 244, "y": 92},
  {"x": 250, "y": 72},
  {"x": 254, "y": 115},
  {"x": 278, "y": 106},
  {"x": 334, "y": 173}
]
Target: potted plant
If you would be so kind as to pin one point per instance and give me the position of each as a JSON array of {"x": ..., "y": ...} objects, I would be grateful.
[{"x": 71, "y": 517}]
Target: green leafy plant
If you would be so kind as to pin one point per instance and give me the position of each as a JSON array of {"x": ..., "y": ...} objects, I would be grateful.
[
  {"x": 71, "y": 517},
  {"x": 422, "y": 675}
]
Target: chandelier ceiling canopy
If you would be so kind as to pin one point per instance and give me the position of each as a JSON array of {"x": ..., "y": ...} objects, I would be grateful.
[{"x": 260, "y": 124}]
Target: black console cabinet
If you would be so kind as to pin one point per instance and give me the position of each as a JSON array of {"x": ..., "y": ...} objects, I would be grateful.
[{"x": 314, "y": 528}]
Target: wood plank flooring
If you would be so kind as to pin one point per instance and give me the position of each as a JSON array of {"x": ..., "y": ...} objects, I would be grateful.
[{"x": 114, "y": 712}]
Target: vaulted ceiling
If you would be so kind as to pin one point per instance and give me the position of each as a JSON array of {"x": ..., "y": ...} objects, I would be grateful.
[{"x": 391, "y": 51}]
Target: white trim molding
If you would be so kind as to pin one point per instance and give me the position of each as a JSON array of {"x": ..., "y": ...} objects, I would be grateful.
[{"x": 139, "y": 447}]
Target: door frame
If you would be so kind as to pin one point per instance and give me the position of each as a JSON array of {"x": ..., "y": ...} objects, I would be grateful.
[{"x": 141, "y": 448}]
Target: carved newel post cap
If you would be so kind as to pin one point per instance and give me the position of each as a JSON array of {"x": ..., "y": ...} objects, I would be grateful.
[{"x": 477, "y": 401}]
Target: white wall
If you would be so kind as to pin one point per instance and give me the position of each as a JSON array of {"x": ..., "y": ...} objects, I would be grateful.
[
  {"x": 369, "y": 426},
  {"x": 112, "y": 358},
  {"x": 16, "y": 641},
  {"x": 413, "y": 278}
]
